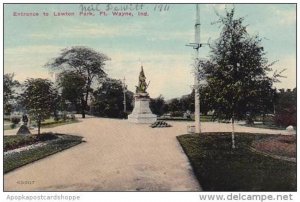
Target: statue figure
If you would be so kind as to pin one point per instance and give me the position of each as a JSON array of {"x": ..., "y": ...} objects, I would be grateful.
[
  {"x": 25, "y": 119},
  {"x": 142, "y": 86},
  {"x": 141, "y": 112}
]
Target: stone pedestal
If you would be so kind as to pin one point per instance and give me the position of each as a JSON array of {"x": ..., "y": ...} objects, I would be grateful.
[{"x": 141, "y": 112}]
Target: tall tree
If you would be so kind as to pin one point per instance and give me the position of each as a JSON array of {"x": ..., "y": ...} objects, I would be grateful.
[
  {"x": 9, "y": 94},
  {"x": 85, "y": 62},
  {"x": 236, "y": 72},
  {"x": 174, "y": 105},
  {"x": 39, "y": 99},
  {"x": 72, "y": 87},
  {"x": 108, "y": 99},
  {"x": 157, "y": 105}
]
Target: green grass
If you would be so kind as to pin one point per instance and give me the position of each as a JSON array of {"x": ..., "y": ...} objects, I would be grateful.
[
  {"x": 51, "y": 124},
  {"x": 16, "y": 160},
  {"x": 8, "y": 127},
  {"x": 203, "y": 118},
  {"x": 265, "y": 126},
  {"x": 48, "y": 123},
  {"x": 15, "y": 141},
  {"x": 219, "y": 168}
]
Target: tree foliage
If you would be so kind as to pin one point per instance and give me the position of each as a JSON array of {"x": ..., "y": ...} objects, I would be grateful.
[
  {"x": 72, "y": 87},
  {"x": 236, "y": 72},
  {"x": 9, "y": 94},
  {"x": 286, "y": 107},
  {"x": 158, "y": 105},
  {"x": 108, "y": 99},
  {"x": 83, "y": 61},
  {"x": 39, "y": 99}
]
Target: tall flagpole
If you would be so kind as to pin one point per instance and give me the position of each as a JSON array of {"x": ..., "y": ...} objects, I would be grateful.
[
  {"x": 196, "y": 45},
  {"x": 196, "y": 80}
]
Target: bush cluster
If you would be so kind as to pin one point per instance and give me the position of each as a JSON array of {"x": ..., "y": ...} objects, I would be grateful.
[
  {"x": 286, "y": 118},
  {"x": 15, "y": 120},
  {"x": 176, "y": 114}
]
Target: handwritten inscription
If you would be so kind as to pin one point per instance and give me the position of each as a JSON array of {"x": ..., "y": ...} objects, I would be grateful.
[
  {"x": 122, "y": 7},
  {"x": 102, "y": 10}
]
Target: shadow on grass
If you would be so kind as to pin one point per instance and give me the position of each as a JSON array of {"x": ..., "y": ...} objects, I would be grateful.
[{"x": 219, "y": 168}]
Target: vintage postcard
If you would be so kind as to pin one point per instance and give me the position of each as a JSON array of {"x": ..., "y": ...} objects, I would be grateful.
[{"x": 161, "y": 97}]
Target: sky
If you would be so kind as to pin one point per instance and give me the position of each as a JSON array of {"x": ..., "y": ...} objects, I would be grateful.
[{"x": 157, "y": 41}]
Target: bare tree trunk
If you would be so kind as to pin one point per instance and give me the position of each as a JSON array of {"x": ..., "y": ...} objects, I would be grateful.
[
  {"x": 83, "y": 108},
  {"x": 232, "y": 132},
  {"x": 39, "y": 126}
]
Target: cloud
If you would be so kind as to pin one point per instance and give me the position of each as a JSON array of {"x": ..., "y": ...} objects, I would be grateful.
[
  {"x": 95, "y": 30},
  {"x": 102, "y": 30},
  {"x": 88, "y": 30},
  {"x": 45, "y": 36}
]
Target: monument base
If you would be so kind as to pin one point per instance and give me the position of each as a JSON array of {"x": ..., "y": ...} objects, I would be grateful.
[{"x": 141, "y": 112}]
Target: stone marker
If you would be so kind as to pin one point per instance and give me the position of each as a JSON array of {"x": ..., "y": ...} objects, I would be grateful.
[{"x": 23, "y": 130}]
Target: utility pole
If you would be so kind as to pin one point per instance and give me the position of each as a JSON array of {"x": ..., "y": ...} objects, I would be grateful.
[
  {"x": 124, "y": 94},
  {"x": 196, "y": 45}
]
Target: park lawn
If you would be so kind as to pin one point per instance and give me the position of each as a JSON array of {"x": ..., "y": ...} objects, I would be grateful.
[
  {"x": 219, "y": 168},
  {"x": 265, "y": 126},
  {"x": 15, "y": 141},
  {"x": 203, "y": 118},
  {"x": 7, "y": 125},
  {"x": 51, "y": 124},
  {"x": 206, "y": 118},
  {"x": 48, "y": 123},
  {"x": 18, "y": 159}
]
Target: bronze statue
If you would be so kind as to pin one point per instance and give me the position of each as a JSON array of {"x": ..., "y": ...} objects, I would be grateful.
[{"x": 142, "y": 86}]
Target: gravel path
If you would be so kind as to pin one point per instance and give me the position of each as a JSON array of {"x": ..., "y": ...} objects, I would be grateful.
[{"x": 117, "y": 156}]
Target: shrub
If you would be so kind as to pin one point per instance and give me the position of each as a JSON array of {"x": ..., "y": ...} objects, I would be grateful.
[
  {"x": 123, "y": 115},
  {"x": 15, "y": 120},
  {"x": 177, "y": 114},
  {"x": 286, "y": 117},
  {"x": 56, "y": 118},
  {"x": 45, "y": 136},
  {"x": 12, "y": 126}
]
